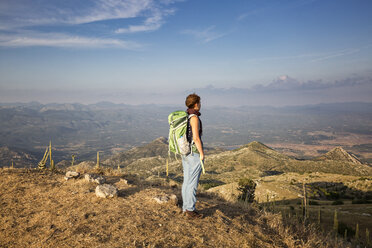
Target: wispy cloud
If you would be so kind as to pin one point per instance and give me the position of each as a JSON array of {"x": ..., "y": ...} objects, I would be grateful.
[
  {"x": 26, "y": 13},
  {"x": 63, "y": 40},
  {"x": 19, "y": 15},
  {"x": 255, "y": 11},
  {"x": 274, "y": 6},
  {"x": 335, "y": 54},
  {"x": 153, "y": 22},
  {"x": 205, "y": 35},
  {"x": 313, "y": 57}
]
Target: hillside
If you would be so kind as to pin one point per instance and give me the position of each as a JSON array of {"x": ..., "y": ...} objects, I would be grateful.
[
  {"x": 255, "y": 160},
  {"x": 156, "y": 148},
  {"x": 41, "y": 209},
  {"x": 19, "y": 158},
  {"x": 259, "y": 159}
]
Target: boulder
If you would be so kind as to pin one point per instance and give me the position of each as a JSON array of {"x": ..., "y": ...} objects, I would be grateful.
[
  {"x": 71, "y": 175},
  {"x": 106, "y": 191},
  {"x": 95, "y": 179}
]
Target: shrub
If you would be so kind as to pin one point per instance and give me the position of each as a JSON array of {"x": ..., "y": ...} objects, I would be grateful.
[
  {"x": 313, "y": 203},
  {"x": 247, "y": 188},
  {"x": 338, "y": 202},
  {"x": 209, "y": 185}
]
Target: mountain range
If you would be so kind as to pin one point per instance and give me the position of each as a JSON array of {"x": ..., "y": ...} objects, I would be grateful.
[{"x": 82, "y": 130}]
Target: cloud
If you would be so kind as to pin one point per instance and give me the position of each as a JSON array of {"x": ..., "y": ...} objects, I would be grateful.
[
  {"x": 205, "y": 35},
  {"x": 314, "y": 57},
  {"x": 153, "y": 22},
  {"x": 288, "y": 91},
  {"x": 66, "y": 16},
  {"x": 337, "y": 54},
  {"x": 286, "y": 83},
  {"x": 289, "y": 84},
  {"x": 23, "y": 13},
  {"x": 63, "y": 40}
]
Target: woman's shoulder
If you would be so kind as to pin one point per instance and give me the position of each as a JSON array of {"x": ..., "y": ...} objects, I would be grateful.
[{"x": 193, "y": 118}]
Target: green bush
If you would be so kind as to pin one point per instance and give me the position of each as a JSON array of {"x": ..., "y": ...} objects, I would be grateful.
[{"x": 247, "y": 188}]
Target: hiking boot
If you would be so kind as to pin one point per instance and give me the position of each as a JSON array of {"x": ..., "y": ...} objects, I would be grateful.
[{"x": 193, "y": 214}]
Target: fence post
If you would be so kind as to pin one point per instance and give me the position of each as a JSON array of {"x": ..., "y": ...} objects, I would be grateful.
[
  {"x": 335, "y": 223},
  {"x": 305, "y": 201},
  {"x": 319, "y": 216},
  {"x": 357, "y": 232},
  {"x": 97, "y": 160}
]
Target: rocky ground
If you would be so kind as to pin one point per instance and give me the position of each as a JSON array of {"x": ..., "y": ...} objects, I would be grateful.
[{"x": 43, "y": 209}]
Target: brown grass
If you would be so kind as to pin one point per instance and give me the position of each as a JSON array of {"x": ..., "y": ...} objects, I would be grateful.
[{"x": 40, "y": 209}]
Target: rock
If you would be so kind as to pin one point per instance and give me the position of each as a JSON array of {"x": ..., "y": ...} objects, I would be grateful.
[
  {"x": 166, "y": 198},
  {"x": 106, "y": 191},
  {"x": 95, "y": 179},
  {"x": 71, "y": 174},
  {"x": 124, "y": 181},
  {"x": 173, "y": 184}
]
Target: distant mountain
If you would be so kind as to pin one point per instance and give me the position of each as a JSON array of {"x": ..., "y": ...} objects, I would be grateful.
[
  {"x": 19, "y": 158},
  {"x": 338, "y": 154}
]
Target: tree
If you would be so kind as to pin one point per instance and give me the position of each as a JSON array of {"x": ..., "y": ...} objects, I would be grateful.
[{"x": 247, "y": 188}]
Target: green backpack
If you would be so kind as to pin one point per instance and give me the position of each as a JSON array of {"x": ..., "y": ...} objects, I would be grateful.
[{"x": 177, "y": 138}]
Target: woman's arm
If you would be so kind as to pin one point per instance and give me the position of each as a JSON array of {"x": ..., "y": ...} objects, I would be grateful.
[{"x": 194, "y": 122}]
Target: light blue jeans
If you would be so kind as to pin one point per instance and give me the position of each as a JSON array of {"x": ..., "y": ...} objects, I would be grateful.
[{"x": 191, "y": 174}]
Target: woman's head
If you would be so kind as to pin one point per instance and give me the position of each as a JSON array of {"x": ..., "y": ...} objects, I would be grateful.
[{"x": 193, "y": 101}]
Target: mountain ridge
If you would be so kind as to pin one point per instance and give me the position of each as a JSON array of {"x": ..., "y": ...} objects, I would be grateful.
[{"x": 339, "y": 154}]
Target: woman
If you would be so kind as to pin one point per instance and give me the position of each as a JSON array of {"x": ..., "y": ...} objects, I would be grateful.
[{"x": 192, "y": 162}]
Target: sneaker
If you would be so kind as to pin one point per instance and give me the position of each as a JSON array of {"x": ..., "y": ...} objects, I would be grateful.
[{"x": 193, "y": 214}]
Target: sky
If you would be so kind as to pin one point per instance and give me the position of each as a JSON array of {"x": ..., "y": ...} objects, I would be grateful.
[{"x": 252, "y": 52}]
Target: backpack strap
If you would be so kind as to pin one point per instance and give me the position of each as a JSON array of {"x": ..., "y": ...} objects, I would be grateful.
[
  {"x": 191, "y": 116},
  {"x": 192, "y": 140}
]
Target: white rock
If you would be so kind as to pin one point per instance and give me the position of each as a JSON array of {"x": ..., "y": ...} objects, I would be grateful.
[
  {"x": 106, "y": 191},
  {"x": 95, "y": 179},
  {"x": 71, "y": 174},
  {"x": 166, "y": 198}
]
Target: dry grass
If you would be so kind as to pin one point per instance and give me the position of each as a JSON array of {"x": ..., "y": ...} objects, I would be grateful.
[{"x": 40, "y": 209}]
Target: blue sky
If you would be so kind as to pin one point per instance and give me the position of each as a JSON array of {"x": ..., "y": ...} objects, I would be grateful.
[{"x": 140, "y": 51}]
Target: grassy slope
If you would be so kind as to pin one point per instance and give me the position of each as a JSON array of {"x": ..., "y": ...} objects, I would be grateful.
[{"x": 40, "y": 209}]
